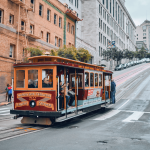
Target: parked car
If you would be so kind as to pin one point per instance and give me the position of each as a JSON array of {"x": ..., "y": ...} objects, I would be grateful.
[
  {"x": 129, "y": 64},
  {"x": 147, "y": 60},
  {"x": 125, "y": 65},
  {"x": 119, "y": 67},
  {"x": 132, "y": 63},
  {"x": 135, "y": 62}
]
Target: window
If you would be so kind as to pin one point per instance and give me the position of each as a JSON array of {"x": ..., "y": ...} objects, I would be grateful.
[
  {"x": 99, "y": 36},
  {"x": 107, "y": 4},
  {"x": 144, "y": 30},
  {"x": 77, "y": 3},
  {"x": 144, "y": 34},
  {"x": 32, "y": 78},
  {"x": 11, "y": 19},
  {"x": 100, "y": 80},
  {"x": 116, "y": 11},
  {"x": 59, "y": 43},
  {"x": 56, "y": 41},
  {"x": 144, "y": 37},
  {"x": 11, "y": 52},
  {"x": 137, "y": 34},
  {"x": 1, "y": 15},
  {"x": 31, "y": 29},
  {"x": 99, "y": 51},
  {"x": 48, "y": 14},
  {"x": 22, "y": 25},
  {"x": 96, "y": 79},
  {"x": 41, "y": 10},
  {"x": 48, "y": 38},
  {"x": 99, "y": 9},
  {"x": 110, "y": 6},
  {"x": 32, "y": 4},
  {"x": 86, "y": 79},
  {"x": 68, "y": 27},
  {"x": 42, "y": 34},
  {"x": 60, "y": 22},
  {"x": 47, "y": 78},
  {"x": 55, "y": 19},
  {"x": 103, "y": 2},
  {"x": 99, "y": 22},
  {"x": 103, "y": 13},
  {"x": 72, "y": 30},
  {"x": 113, "y": 8},
  {"x": 91, "y": 79},
  {"x": 20, "y": 78}
]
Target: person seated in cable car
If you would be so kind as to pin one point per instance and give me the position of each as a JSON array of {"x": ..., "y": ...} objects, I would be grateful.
[
  {"x": 45, "y": 83},
  {"x": 30, "y": 84}
]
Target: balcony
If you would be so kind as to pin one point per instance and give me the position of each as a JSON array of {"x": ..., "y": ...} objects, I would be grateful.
[
  {"x": 31, "y": 34},
  {"x": 19, "y": 2},
  {"x": 22, "y": 4}
]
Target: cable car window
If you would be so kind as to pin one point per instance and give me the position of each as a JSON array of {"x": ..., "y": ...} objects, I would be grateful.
[
  {"x": 47, "y": 78},
  {"x": 96, "y": 79},
  {"x": 86, "y": 79},
  {"x": 20, "y": 78},
  {"x": 91, "y": 79},
  {"x": 32, "y": 78},
  {"x": 79, "y": 80},
  {"x": 100, "y": 80}
]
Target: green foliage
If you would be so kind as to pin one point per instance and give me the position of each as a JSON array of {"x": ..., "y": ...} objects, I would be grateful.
[
  {"x": 34, "y": 51},
  {"x": 80, "y": 54}
]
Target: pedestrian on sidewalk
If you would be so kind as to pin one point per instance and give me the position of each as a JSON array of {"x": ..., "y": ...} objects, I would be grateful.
[
  {"x": 113, "y": 91},
  {"x": 9, "y": 93},
  {"x": 6, "y": 91}
]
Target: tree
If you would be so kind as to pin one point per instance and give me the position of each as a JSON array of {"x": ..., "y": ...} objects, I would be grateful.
[
  {"x": 34, "y": 51},
  {"x": 80, "y": 54}
]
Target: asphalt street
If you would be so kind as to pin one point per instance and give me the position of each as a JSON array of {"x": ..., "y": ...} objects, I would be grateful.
[{"x": 125, "y": 125}]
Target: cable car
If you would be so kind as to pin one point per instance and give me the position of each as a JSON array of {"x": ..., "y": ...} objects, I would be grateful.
[{"x": 52, "y": 89}]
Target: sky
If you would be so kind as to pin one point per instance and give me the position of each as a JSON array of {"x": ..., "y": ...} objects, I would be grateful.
[{"x": 139, "y": 10}]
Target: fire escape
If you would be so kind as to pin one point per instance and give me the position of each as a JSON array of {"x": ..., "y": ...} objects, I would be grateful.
[{"x": 24, "y": 26}]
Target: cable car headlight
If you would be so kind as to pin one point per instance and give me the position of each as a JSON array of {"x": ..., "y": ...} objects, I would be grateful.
[{"x": 32, "y": 103}]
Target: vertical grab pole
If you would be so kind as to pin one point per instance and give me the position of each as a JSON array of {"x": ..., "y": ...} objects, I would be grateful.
[
  {"x": 13, "y": 93},
  {"x": 77, "y": 93},
  {"x": 58, "y": 94}
]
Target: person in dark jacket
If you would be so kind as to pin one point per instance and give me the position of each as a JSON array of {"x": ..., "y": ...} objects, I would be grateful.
[
  {"x": 7, "y": 91},
  {"x": 113, "y": 91}
]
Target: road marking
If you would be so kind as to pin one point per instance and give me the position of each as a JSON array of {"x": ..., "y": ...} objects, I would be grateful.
[
  {"x": 5, "y": 111},
  {"x": 4, "y": 108},
  {"x": 123, "y": 104},
  {"x": 4, "y": 114},
  {"x": 134, "y": 117},
  {"x": 108, "y": 115}
]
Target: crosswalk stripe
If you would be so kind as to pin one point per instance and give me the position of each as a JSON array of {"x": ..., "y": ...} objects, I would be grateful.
[
  {"x": 4, "y": 108},
  {"x": 108, "y": 115},
  {"x": 4, "y": 114},
  {"x": 5, "y": 111},
  {"x": 134, "y": 117}
]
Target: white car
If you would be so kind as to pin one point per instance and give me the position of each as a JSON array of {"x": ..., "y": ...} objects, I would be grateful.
[{"x": 147, "y": 60}]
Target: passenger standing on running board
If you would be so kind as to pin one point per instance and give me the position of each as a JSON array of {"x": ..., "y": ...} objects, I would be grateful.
[{"x": 113, "y": 91}]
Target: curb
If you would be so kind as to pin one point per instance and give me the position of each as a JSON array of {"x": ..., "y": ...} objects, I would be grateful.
[{"x": 4, "y": 103}]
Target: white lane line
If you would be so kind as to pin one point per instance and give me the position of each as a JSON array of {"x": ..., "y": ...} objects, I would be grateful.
[
  {"x": 108, "y": 115},
  {"x": 5, "y": 111},
  {"x": 123, "y": 104},
  {"x": 134, "y": 117},
  {"x": 4, "y": 114},
  {"x": 4, "y": 108}
]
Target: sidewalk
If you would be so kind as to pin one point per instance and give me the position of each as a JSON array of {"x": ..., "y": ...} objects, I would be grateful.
[{"x": 2, "y": 100}]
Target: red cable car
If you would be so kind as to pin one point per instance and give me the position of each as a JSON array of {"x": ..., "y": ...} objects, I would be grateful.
[{"x": 51, "y": 89}]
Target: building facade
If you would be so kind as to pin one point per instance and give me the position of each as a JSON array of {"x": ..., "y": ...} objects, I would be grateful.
[
  {"x": 143, "y": 33},
  {"x": 107, "y": 20},
  {"x": 47, "y": 24},
  {"x": 140, "y": 44}
]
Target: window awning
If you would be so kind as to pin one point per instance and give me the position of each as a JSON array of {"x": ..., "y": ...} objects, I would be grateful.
[{"x": 72, "y": 15}]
